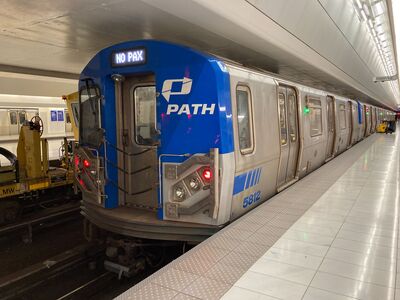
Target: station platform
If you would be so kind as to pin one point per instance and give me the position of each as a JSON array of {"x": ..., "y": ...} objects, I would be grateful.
[{"x": 332, "y": 235}]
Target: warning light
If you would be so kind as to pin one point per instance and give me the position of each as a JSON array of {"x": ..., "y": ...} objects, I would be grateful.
[
  {"x": 86, "y": 163},
  {"x": 82, "y": 183},
  {"x": 207, "y": 174},
  {"x": 77, "y": 161},
  {"x": 306, "y": 110}
]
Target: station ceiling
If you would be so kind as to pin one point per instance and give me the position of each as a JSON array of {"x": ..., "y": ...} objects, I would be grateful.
[{"x": 315, "y": 42}]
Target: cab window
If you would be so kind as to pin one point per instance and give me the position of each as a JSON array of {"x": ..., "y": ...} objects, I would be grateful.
[{"x": 89, "y": 101}]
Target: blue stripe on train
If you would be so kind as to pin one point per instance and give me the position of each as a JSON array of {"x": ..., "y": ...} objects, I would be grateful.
[{"x": 246, "y": 180}]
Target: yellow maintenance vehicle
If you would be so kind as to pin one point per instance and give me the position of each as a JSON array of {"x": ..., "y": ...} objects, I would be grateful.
[
  {"x": 72, "y": 103},
  {"x": 381, "y": 128},
  {"x": 24, "y": 182}
]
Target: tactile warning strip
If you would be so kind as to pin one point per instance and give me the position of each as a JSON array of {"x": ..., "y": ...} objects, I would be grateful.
[{"x": 209, "y": 270}]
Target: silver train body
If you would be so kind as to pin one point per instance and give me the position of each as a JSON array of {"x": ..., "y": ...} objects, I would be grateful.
[
  {"x": 15, "y": 110},
  {"x": 278, "y": 131}
]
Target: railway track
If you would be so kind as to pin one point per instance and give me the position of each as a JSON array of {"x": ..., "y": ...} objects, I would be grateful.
[
  {"x": 89, "y": 288},
  {"x": 49, "y": 217},
  {"x": 20, "y": 283},
  {"x": 47, "y": 271}
]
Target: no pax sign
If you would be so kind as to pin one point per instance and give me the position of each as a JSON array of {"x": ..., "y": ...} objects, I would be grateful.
[{"x": 128, "y": 57}]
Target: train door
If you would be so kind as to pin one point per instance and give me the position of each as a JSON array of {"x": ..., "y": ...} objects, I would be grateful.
[
  {"x": 288, "y": 120},
  {"x": 4, "y": 122},
  {"x": 13, "y": 116},
  {"x": 330, "y": 106},
  {"x": 139, "y": 174},
  {"x": 349, "y": 117}
]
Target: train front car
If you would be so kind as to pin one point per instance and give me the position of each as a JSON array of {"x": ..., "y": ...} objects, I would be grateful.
[{"x": 155, "y": 133}]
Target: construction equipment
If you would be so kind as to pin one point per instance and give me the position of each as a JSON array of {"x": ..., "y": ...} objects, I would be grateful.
[
  {"x": 72, "y": 101},
  {"x": 30, "y": 172},
  {"x": 382, "y": 127}
]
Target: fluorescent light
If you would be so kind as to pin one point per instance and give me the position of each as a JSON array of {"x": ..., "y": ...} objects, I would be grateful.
[
  {"x": 371, "y": 23},
  {"x": 364, "y": 15},
  {"x": 379, "y": 29},
  {"x": 396, "y": 22},
  {"x": 378, "y": 9}
]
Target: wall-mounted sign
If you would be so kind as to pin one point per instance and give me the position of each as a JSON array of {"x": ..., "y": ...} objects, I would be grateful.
[
  {"x": 53, "y": 115},
  {"x": 60, "y": 115},
  {"x": 129, "y": 57}
]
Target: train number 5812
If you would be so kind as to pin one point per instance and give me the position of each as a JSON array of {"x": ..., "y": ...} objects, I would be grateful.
[{"x": 253, "y": 198}]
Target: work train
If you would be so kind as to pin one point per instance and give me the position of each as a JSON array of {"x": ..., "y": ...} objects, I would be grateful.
[
  {"x": 15, "y": 110},
  {"x": 35, "y": 154},
  {"x": 176, "y": 143}
]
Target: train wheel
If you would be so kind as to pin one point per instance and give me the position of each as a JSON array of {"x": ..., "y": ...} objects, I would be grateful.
[{"x": 155, "y": 256}]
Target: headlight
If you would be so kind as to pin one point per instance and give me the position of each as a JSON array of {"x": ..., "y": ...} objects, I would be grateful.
[
  {"x": 179, "y": 193},
  {"x": 194, "y": 184}
]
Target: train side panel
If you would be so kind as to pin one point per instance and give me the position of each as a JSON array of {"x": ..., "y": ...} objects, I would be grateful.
[
  {"x": 256, "y": 168},
  {"x": 315, "y": 126}
]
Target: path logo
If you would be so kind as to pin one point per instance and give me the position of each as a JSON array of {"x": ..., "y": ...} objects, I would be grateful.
[{"x": 186, "y": 87}]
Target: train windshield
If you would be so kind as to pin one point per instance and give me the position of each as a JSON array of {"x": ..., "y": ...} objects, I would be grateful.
[{"x": 89, "y": 123}]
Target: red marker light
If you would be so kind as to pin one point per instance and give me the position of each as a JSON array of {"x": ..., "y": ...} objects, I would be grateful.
[
  {"x": 77, "y": 161},
  {"x": 207, "y": 174},
  {"x": 86, "y": 163}
]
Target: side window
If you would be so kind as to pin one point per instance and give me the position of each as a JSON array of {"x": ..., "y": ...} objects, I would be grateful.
[
  {"x": 315, "y": 116},
  {"x": 292, "y": 116},
  {"x": 67, "y": 118},
  {"x": 342, "y": 116},
  {"x": 13, "y": 118},
  {"x": 282, "y": 118},
  {"x": 22, "y": 117},
  {"x": 145, "y": 115},
  {"x": 244, "y": 120}
]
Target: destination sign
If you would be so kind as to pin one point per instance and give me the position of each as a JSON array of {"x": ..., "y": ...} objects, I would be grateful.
[{"x": 129, "y": 57}]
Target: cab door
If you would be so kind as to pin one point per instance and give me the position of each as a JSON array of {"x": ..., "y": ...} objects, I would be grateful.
[
  {"x": 330, "y": 105},
  {"x": 139, "y": 181},
  {"x": 288, "y": 121}
]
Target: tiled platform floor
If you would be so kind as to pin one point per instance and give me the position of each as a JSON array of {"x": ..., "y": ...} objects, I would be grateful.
[{"x": 333, "y": 235}]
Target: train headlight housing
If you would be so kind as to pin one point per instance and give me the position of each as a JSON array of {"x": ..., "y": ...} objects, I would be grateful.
[
  {"x": 194, "y": 184},
  {"x": 179, "y": 193}
]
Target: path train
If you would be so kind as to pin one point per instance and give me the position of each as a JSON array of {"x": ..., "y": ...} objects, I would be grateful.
[{"x": 176, "y": 143}]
